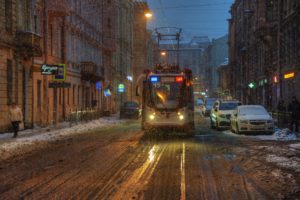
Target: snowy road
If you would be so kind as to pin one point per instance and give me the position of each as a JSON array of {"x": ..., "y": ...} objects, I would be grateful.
[{"x": 121, "y": 163}]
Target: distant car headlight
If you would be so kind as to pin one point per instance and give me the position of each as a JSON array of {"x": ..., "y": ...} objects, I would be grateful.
[
  {"x": 181, "y": 117},
  {"x": 222, "y": 116},
  {"x": 152, "y": 116},
  {"x": 244, "y": 121}
]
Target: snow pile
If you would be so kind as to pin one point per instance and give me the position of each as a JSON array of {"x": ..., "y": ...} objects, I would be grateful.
[
  {"x": 289, "y": 163},
  {"x": 285, "y": 134},
  {"x": 295, "y": 146},
  {"x": 8, "y": 147},
  {"x": 279, "y": 134}
]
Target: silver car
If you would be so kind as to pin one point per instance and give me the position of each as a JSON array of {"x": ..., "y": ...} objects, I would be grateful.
[{"x": 251, "y": 119}]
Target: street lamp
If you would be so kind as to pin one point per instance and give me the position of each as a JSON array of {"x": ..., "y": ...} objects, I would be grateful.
[
  {"x": 163, "y": 53},
  {"x": 148, "y": 14}
]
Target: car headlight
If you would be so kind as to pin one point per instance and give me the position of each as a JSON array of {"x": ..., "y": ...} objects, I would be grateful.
[
  {"x": 222, "y": 116},
  {"x": 244, "y": 121},
  {"x": 181, "y": 117}
]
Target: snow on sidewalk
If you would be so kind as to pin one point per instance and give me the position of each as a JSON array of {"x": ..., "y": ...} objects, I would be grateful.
[
  {"x": 27, "y": 138},
  {"x": 279, "y": 135}
]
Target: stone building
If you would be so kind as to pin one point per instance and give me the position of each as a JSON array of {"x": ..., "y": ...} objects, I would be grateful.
[
  {"x": 212, "y": 57},
  {"x": 142, "y": 42},
  {"x": 123, "y": 56},
  {"x": 77, "y": 33},
  {"x": 264, "y": 51},
  {"x": 20, "y": 43}
]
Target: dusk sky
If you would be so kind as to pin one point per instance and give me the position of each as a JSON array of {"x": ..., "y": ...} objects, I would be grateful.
[{"x": 195, "y": 17}]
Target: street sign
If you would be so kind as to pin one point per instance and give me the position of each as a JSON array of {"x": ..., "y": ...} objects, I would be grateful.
[
  {"x": 59, "y": 85},
  {"x": 121, "y": 88},
  {"x": 107, "y": 92},
  {"x": 61, "y": 73},
  {"x": 49, "y": 69},
  {"x": 98, "y": 85}
]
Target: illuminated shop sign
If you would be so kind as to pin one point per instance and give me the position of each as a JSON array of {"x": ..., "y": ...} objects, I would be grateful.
[{"x": 289, "y": 75}]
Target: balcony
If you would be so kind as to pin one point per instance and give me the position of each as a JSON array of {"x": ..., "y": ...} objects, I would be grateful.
[
  {"x": 58, "y": 8},
  {"x": 263, "y": 33},
  {"x": 89, "y": 72},
  {"x": 28, "y": 44}
]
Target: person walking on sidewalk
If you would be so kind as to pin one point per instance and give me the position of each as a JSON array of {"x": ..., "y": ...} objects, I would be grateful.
[
  {"x": 294, "y": 108},
  {"x": 16, "y": 117}
]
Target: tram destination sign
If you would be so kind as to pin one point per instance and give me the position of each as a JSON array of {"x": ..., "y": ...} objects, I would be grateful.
[{"x": 49, "y": 69}]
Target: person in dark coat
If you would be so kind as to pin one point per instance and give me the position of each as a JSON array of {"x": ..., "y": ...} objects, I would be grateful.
[
  {"x": 294, "y": 108},
  {"x": 281, "y": 106}
]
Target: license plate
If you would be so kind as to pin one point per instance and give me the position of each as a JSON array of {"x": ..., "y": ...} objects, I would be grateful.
[
  {"x": 167, "y": 79},
  {"x": 258, "y": 128}
]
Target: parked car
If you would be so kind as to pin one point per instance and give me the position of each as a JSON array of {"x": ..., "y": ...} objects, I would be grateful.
[
  {"x": 130, "y": 109},
  {"x": 221, "y": 113},
  {"x": 208, "y": 104},
  {"x": 251, "y": 119}
]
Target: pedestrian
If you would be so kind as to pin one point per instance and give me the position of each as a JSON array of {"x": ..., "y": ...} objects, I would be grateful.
[
  {"x": 281, "y": 114},
  {"x": 294, "y": 109},
  {"x": 16, "y": 117},
  {"x": 281, "y": 106}
]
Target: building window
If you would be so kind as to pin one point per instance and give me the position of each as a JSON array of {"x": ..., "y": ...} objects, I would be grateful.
[
  {"x": 51, "y": 39},
  {"x": 8, "y": 15},
  {"x": 9, "y": 81},
  {"x": 78, "y": 95},
  {"x": 39, "y": 94},
  {"x": 74, "y": 90},
  {"x": 60, "y": 96}
]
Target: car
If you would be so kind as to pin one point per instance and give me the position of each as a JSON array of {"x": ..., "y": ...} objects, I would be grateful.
[
  {"x": 208, "y": 104},
  {"x": 130, "y": 109},
  {"x": 251, "y": 119},
  {"x": 221, "y": 113}
]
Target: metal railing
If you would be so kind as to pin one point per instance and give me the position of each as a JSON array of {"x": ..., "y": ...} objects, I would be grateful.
[{"x": 80, "y": 115}]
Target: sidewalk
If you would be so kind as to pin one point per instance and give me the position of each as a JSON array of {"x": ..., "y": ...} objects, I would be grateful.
[{"x": 30, "y": 137}]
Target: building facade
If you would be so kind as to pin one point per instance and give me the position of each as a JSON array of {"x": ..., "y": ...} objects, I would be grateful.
[
  {"x": 264, "y": 51},
  {"x": 212, "y": 57},
  {"x": 93, "y": 39},
  {"x": 20, "y": 43},
  {"x": 123, "y": 56},
  {"x": 142, "y": 43}
]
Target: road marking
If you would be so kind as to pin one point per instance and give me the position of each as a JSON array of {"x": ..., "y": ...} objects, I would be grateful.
[{"x": 182, "y": 169}]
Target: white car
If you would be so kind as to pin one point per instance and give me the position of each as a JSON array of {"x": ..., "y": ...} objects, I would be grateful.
[
  {"x": 251, "y": 118},
  {"x": 221, "y": 113}
]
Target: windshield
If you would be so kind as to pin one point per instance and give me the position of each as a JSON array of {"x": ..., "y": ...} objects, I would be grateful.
[
  {"x": 210, "y": 102},
  {"x": 166, "y": 94},
  {"x": 228, "y": 106},
  {"x": 253, "y": 111}
]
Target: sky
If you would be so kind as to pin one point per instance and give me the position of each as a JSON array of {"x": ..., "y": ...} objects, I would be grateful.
[{"x": 195, "y": 17}]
